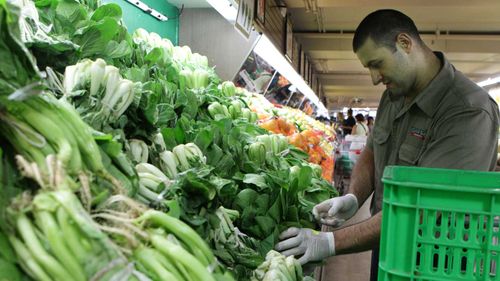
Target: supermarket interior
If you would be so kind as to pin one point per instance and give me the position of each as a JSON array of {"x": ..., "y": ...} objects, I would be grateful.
[{"x": 221, "y": 140}]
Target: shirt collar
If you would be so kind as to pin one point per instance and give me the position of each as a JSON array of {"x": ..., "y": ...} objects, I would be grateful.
[{"x": 432, "y": 95}]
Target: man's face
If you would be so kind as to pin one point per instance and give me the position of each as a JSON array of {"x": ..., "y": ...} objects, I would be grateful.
[{"x": 392, "y": 68}]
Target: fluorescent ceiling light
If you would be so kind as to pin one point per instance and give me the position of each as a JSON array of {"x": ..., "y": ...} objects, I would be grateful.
[
  {"x": 227, "y": 8},
  {"x": 265, "y": 49},
  {"x": 489, "y": 81}
]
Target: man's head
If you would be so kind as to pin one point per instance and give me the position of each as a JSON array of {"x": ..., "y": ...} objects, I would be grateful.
[
  {"x": 349, "y": 112},
  {"x": 386, "y": 42},
  {"x": 383, "y": 27}
]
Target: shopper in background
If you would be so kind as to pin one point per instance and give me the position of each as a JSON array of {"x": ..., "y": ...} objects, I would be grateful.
[
  {"x": 348, "y": 123},
  {"x": 361, "y": 127},
  {"x": 430, "y": 115},
  {"x": 339, "y": 122},
  {"x": 370, "y": 123}
]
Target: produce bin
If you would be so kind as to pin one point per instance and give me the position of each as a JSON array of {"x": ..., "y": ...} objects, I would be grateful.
[{"x": 439, "y": 224}]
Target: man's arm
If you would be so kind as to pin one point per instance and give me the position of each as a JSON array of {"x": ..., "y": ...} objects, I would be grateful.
[
  {"x": 362, "y": 236},
  {"x": 362, "y": 177},
  {"x": 358, "y": 237}
]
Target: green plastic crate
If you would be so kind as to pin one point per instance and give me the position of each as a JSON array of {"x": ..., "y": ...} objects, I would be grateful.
[{"x": 439, "y": 224}]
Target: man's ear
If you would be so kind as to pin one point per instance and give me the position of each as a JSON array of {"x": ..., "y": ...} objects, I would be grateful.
[{"x": 404, "y": 41}]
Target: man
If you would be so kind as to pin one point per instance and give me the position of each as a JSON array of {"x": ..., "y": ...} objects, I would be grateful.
[
  {"x": 348, "y": 123},
  {"x": 430, "y": 115}
]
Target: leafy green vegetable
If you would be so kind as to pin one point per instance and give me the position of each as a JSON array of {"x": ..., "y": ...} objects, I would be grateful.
[{"x": 18, "y": 65}]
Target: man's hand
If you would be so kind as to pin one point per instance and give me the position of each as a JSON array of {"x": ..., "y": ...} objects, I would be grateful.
[
  {"x": 312, "y": 245},
  {"x": 334, "y": 212}
]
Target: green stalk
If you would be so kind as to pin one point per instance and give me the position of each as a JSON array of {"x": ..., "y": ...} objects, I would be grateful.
[
  {"x": 56, "y": 241},
  {"x": 32, "y": 153},
  {"x": 47, "y": 125},
  {"x": 182, "y": 231},
  {"x": 73, "y": 123},
  {"x": 27, "y": 258},
  {"x": 48, "y": 262},
  {"x": 147, "y": 193},
  {"x": 182, "y": 269},
  {"x": 86, "y": 225},
  {"x": 78, "y": 244},
  {"x": 143, "y": 255},
  {"x": 77, "y": 213},
  {"x": 173, "y": 251},
  {"x": 165, "y": 262}
]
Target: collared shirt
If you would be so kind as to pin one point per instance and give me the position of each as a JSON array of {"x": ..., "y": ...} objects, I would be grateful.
[{"x": 452, "y": 123}]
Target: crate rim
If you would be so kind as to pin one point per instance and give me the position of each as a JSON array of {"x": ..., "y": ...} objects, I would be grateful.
[{"x": 406, "y": 176}]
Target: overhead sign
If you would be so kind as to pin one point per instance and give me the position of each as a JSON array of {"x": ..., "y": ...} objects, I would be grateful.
[{"x": 244, "y": 19}]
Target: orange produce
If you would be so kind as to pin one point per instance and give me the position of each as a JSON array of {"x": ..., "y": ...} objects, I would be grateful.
[
  {"x": 285, "y": 127},
  {"x": 311, "y": 136},
  {"x": 271, "y": 125},
  {"x": 314, "y": 156},
  {"x": 299, "y": 141},
  {"x": 327, "y": 166}
]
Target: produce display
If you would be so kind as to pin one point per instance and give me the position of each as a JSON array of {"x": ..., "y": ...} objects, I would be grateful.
[
  {"x": 123, "y": 157},
  {"x": 303, "y": 132}
]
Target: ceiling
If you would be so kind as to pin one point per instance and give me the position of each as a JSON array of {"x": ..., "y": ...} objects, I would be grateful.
[{"x": 468, "y": 32}]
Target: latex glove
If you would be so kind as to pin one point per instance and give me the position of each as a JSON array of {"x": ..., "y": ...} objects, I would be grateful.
[
  {"x": 334, "y": 212},
  {"x": 312, "y": 245}
]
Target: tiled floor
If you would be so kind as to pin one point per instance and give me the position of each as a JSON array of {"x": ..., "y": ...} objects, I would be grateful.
[{"x": 353, "y": 267}]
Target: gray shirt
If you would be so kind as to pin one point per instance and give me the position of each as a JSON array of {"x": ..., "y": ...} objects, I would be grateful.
[{"x": 452, "y": 123}]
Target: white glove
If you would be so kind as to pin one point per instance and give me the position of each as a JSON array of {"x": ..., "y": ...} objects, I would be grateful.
[
  {"x": 334, "y": 212},
  {"x": 312, "y": 245}
]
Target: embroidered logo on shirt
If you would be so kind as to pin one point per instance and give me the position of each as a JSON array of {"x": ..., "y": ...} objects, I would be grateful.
[{"x": 418, "y": 133}]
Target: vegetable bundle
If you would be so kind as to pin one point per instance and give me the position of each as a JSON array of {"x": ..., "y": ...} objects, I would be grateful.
[{"x": 164, "y": 172}]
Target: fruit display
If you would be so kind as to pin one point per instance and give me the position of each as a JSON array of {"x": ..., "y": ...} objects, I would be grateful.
[{"x": 302, "y": 131}]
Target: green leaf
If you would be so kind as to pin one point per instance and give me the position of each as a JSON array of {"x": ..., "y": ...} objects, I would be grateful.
[
  {"x": 275, "y": 211},
  {"x": 266, "y": 224},
  {"x": 255, "y": 179},
  {"x": 268, "y": 243},
  {"x": 226, "y": 166},
  {"x": 7, "y": 252},
  {"x": 111, "y": 147},
  {"x": 195, "y": 183},
  {"x": 117, "y": 50},
  {"x": 213, "y": 154},
  {"x": 262, "y": 204},
  {"x": 94, "y": 38},
  {"x": 225, "y": 188},
  {"x": 154, "y": 56},
  {"x": 203, "y": 139},
  {"x": 305, "y": 176},
  {"x": 137, "y": 74},
  {"x": 169, "y": 137},
  {"x": 71, "y": 12},
  {"x": 292, "y": 214},
  {"x": 244, "y": 199},
  {"x": 8, "y": 271},
  {"x": 107, "y": 10},
  {"x": 166, "y": 114},
  {"x": 174, "y": 208}
]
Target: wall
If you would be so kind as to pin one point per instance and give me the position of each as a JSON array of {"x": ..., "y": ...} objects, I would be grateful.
[
  {"x": 274, "y": 24},
  {"x": 206, "y": 32},
  {"x": 134, "y": 18}
]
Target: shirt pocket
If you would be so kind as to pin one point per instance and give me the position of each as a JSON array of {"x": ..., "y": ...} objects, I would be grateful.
[
  {"x": 380, "y": 135},
  {"x": 409, "y": 152}
]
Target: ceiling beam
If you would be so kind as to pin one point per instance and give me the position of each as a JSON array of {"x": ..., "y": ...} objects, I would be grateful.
[
  {"x": 445, "y": 43},
  {"x": 292, "y": 4}
]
